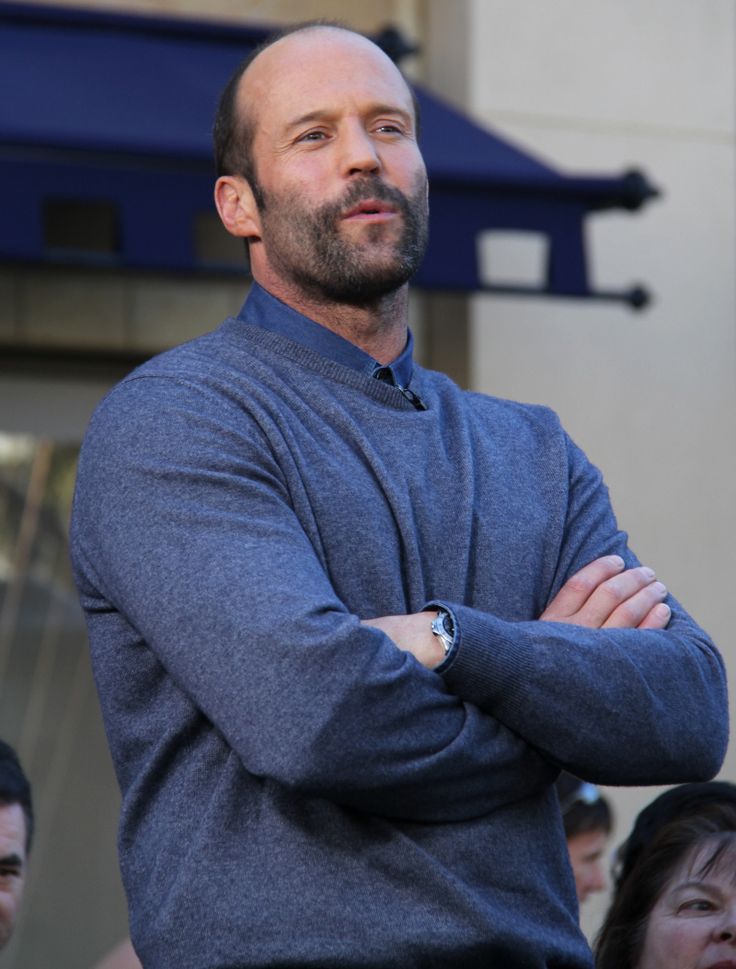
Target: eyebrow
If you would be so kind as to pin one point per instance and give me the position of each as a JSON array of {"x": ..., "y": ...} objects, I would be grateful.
[
  {"x": 12, "y": 861},
  {"x": 697, "y": 884}
]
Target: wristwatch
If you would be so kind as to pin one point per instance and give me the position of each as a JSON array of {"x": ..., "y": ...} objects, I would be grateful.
[{"x": 444, "y": 627}]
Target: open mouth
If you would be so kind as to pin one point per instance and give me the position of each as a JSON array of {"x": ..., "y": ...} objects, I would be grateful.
[{"x": 370, "y": 209}]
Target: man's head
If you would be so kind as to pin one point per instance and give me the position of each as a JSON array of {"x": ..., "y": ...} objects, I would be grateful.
[
  {"x": 588, "y": 822},
  {"x": 16, "y": 832},
  {"x": 319, "y": 166}
]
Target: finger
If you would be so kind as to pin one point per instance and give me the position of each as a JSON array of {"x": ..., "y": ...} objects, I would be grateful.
[
  {"x": 631, "y": 613},
  {"x": 577, "y": 590},
  {"x": 614, "y": 593},
  {"x": 658, "y": 617}
]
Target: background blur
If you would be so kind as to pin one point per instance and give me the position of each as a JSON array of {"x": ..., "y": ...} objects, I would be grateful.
[{"x": 591, "y": 86}]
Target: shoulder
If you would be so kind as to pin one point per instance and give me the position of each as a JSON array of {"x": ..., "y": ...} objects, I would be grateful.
[{"x": 505, "y": 417}]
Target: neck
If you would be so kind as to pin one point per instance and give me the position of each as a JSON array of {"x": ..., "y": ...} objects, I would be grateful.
[{"x": 379, "y": 327}]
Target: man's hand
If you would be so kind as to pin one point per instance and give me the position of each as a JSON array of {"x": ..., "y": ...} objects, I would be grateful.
[{"x": 603, "y": 596}]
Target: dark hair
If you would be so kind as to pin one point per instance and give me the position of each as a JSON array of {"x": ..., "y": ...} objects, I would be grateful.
[
  {"x": 14, "y": 787},
  {"x": 583, "y": 807},
  {"x": 706, "y": 823},
  {"x": 233, "y": 135}
]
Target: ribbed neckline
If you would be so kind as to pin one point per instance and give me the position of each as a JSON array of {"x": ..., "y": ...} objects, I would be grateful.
[{"x": 240, "y": 334}]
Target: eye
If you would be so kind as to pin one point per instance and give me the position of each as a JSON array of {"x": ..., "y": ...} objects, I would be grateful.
[
  {"x": 697, "y": 905},
  {"x": 9, "y": 871},
  {"x": 390, "y": 128},
  {"x": 312, "y": 136}
]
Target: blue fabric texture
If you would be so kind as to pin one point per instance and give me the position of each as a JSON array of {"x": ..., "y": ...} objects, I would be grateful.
[{"x": 297, "y": 792}]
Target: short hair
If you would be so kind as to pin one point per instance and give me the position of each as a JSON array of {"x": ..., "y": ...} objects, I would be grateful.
[
  {"x": 583, "y": 807},
  {"x": 681, "y": 838},
  {"x": 233, "y": 136},
  {"x": 15, "y": 787}
]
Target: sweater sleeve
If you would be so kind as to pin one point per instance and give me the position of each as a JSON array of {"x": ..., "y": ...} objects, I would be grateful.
[
  {"x": 617, "y": 706},
  {"x": 183, "y": 526}
]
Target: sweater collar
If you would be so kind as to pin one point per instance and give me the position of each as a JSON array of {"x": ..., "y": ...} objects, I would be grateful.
[{"x": 264, "y": 310}]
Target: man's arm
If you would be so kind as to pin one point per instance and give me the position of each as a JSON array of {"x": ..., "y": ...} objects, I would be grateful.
[
  {"x": 184, "y": 526},
  {"x": 611, "y": 680},
  {"x": 603, "y": 595}
]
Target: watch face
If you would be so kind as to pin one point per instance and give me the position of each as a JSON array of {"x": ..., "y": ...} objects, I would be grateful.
[{"x": 443, "y": 626}]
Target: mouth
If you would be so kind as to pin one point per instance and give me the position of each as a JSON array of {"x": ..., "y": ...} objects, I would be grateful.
[
  {"x": 725, "y": 964},
  {"x": 370, "y": 210}
]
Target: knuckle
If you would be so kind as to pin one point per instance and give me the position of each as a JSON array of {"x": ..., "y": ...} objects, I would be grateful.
[
  {"x": 581, "y": 584},
  {"x": 612, "y": 590}
]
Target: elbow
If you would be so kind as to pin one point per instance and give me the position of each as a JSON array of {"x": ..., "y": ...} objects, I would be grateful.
[{"x": 703, "y": 750}]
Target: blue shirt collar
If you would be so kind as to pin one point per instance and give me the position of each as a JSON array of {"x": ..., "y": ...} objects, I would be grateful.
[{"x": 263, "y": 309}]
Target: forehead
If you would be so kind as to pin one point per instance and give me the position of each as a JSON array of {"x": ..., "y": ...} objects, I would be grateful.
[
  {"x": 713, "y": 861},
  {"x": 320, "y": 69},
  {"x": 12, "y": 829}
]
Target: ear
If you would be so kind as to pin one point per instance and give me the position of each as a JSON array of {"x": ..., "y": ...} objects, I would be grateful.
[{"x": 237, "y": 206}]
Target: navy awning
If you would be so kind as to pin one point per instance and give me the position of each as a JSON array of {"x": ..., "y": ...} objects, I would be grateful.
[{"x": 115, "y": 111}]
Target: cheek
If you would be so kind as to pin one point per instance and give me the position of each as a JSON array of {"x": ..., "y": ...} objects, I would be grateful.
[
  {"x": 674, "y": 945},
  {"x": 7, "y": 907}
]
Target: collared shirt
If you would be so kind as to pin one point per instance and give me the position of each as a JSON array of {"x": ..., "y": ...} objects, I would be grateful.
[{"x": 263, "y": 309}]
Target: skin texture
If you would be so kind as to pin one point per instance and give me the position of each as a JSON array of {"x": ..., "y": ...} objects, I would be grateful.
[
  {"x": 693, "y": 922},
  {"x": 334, "y": 128},
  {"x": 12, "y": 867},
  {"x": 587, "y": 851}
]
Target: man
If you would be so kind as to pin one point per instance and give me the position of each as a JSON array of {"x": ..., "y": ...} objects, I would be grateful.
[
  {"x": 314, "y": 574},
  {"x": 588, "y": 823},
  {"x": 16, "y": 831}
]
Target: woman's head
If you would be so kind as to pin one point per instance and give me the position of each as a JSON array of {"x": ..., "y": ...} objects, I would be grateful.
[
  {"x": 675, "y": 898},
  {"x": 693, "y": 922}
]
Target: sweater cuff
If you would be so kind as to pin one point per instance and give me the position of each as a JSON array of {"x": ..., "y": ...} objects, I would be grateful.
[{"x": 489, "y": 661}]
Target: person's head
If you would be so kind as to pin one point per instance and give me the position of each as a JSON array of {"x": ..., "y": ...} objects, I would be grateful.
[
  {"x": 319, "y": 167},
  {"x": 16, "y": 832},
  {"x": 588, "y": 821},
  {"x": 674, "y": 905}
]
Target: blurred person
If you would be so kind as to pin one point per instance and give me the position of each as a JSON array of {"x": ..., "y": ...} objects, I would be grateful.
[
  {"x": 340, "y": 610},
  {"x": 16, "y": 833},
  {"x": 588, "y": 822},
  {"x": 121, "y": 957},
  {"x": 674, "y": 903}
]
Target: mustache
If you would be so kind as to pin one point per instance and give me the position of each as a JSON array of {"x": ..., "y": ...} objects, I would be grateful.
[{"x": 369, "y": 187}]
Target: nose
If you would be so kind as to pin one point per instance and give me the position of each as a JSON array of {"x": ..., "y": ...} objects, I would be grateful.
[
  {"x": 726, "y": 931},
  {"x": 359, "y": 152}
]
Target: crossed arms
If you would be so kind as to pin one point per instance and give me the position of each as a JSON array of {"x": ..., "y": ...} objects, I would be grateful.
[
  {"x": 188, "y": 544},
  {"x": 602, "y": 595}
]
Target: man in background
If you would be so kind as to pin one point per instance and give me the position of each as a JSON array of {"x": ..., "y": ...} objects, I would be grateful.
[
  {"x": 588, "y": 822},
  {"x": 16, "y": 832}
]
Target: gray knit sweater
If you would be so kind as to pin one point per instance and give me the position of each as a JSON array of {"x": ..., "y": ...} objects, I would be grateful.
[{"x": 297, "y": 792}]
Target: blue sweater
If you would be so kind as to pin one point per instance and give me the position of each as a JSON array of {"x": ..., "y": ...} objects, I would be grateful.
[{"x": 297, "y": 792}]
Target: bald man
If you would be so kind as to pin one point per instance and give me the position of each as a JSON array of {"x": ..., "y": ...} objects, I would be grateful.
[{"x": 347, "y": 620}]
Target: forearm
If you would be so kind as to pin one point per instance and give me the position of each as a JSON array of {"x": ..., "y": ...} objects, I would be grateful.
[{"x": 616, "y": 705}]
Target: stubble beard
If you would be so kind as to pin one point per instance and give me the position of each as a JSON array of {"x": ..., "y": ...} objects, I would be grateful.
[{"x": 308, "y": 248}]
